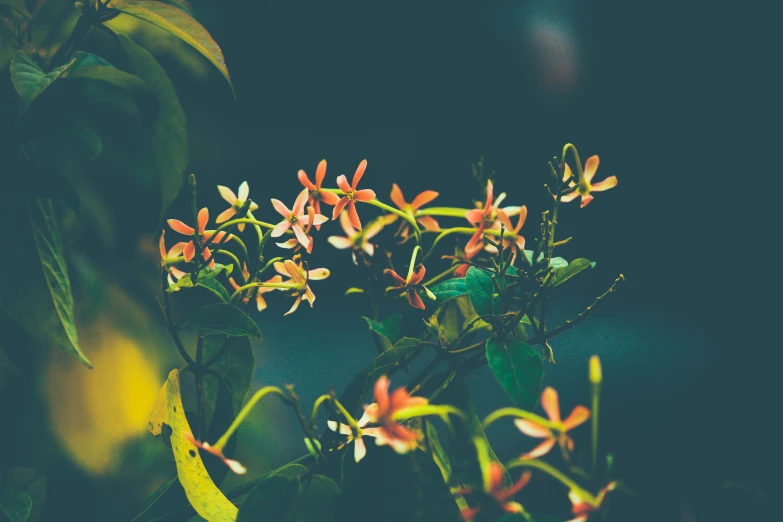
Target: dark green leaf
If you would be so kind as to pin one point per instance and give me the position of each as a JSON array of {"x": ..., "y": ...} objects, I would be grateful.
[
  {"x": 449, "y": 289},
  {"x": 224, "y": 318},
  {"x": 178, "y": 23},
  {"x": 518, "y": 368},
  {"x": 483, "y": 293},
  {"x": 564, "y": 273},
  {"x": 46, "y": 232},
  {"x": 169, "y": 138},
  {"x": 270, "y": 500},
  {"x": 316, "y": 500},
  {"x": 215, "y": 287},
  {"x": 453, "y": 317},
  {"x": 16, "y": 504},
  {"x": 391, "y": 359},
  {"x": 30, "y": 80},
  {"x": 386, "y": 332},
  {"x": 18, "y": 6},
  {"x": 236, "y": 366},
  {"x": 167, "y": 497},
  {"x": 211, "y": 273}
]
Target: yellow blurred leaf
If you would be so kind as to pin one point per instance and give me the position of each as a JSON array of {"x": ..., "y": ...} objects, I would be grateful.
[
  {"x": 202, "y": 493},
  {"x": 159, "y": 415}
]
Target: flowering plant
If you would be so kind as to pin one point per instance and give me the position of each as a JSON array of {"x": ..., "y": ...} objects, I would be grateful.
[{"x": 419, "y": 446}]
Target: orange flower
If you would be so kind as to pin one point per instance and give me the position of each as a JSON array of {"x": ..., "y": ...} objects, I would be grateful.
[
  {"x": 202, "y": 236},
  {"x": 295, "y": 218},
  {"x": 582, "y": 509},
  {"x": 351, "y": 195},
  {"x": 237, "y": 201},
  {"x": 316, "y": 195},
  {"x": 297, "y": 275},
  {"x": 167, "y": 257},
  {"x": 584, "y": 187},
  {"x": 294, "y": 241},
  {"x": 260, "y": 291},
  {"x": 490, "y": 217},
  {"x": 428, "y": 222},
  {"x": 390, "y": 432},
  {"x": 233, "y": 465},
  {"x": 551, "y": 406},
  {"x": 497, "y": 491},
  {"x": 411, "y": 285}
]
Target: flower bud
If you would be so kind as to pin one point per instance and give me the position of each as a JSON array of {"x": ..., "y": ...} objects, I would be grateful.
[{"x": 595, "y": 370}]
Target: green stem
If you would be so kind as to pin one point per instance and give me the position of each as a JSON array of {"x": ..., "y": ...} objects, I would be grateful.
[
  {"x": 440, "y": 276},
  {"x": 557, "y": 474},
  {"x": 233, "y": 257},
  {"x": 442, "y": 211},
  {"x": 518, "y": 413},
  {"x": 596, "y": 389},
  {"x": 246, "y": 410},
  {"x": 285, "y": 286},
  {"x": 347, "y": 416},
  {"x": 403, "y": 215},
  {"x": 199, "y": 375}
]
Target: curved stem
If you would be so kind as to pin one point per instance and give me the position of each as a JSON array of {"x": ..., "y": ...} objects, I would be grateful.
[
  {"x": 518, "y": 413},
  {"x": 347, "y": 416},
  {"x": 442, "y": 275},
  {"x": 233, "y": 258},
  {"x": 442, "y": 211},
  {"x": 557, "y": 474},
  {"x": 403, "y": 215},
  {"x": 566, "y": 148},
  {"x": 285, "y": 286},
  {"x": 442, "y": 410},
  {"x": 246, "y": 410}
]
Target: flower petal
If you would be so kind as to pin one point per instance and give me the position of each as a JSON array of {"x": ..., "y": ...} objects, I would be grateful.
[
  {"x": 474, "y": 216},
  {"x": 203, "y": 219},
  {"x": 577, "y": 417},
  {"x": 300, "y": 235},
  {"x": 280, "y": 269},
  {"x": 549, "y": 402},
  {"x": 342, "y": 182},
  {"x": 243, "y": 192},
  {"x": 330, "y": 198},
  {"x": 364, "y": 195},
  {"x": 227, "y": 194},
  {"x": 359, "y": 449},
  {"x": 226, "y": 215},
  {"x": 397, "y": 278},
  {"x": 280, "y": 228},
  {"x": 339, "y": 242},
  {"x": 418, "y": 274},
  {"x": 359, "y": 173},
  {"x": 295, "y": 306},
  {"x": 369, "y": 248},
  {"x": 320, "y": 173},
  {"x": 569, "y": 197},
  {"x": 382, "y": 395},
  {"x": 429, "y": 223},
  {"x": 162, "y": 245},
  {"x": 299, "y": 204},
  {"x": 317, "y": 274},
  {"x": 353, "y": 215},
  {"x": 260, "y": 302},
  {"x": 178, "y": 226},
  {"x": 281, "y": 208},
  {"x": 189, "y": 251},
  {"x": 423, "y": 198},
  {"x": 538, "y": 451},
  {"x": 415, "y": 301},
  {"x": 235, "y": 466},
  {"x": 304, "y": 180},
  {"x": 397, "y": 197},
  {"x": 586, "y": 199},
  {"x": 606, "y": 184},
  {"x": 339, "y": 207},
  {"x": 532, "y": 429},
  {"x": 591, "y": 165}
]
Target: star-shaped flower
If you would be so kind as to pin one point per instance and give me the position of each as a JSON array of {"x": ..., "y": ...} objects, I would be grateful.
[
  {"x": 237, "y": 201},
  {"x": 497, "y": 492},
  {"x": 202, "y": 236},
  {"x": 584, "y": 187},
  {"x": 299, "y": 276},
  {"x": 357, "y": 240},
  {"x": 316, "y": 194},
  {"x": 582, "y": 509},
  {"x": 489, "y": 217},
  {"x": 169, "y": 256},
  {"x": 411, "y": 285},
  {"x": 549, "y": 402},
  {"x": 428, "y": 222},
  {"x": 295, "y": 218},
  {"x": 351, "y": 195},
  {"x": 390, "y": 432},
  {"x": 259, "y": 291}
]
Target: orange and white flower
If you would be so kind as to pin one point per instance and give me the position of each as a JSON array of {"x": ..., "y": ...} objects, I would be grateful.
[
  {"x": 359, "y": 448},
  {"x": 489, "y": 217},
  {"x": 294, "y": 242},
  {"x": 356, "y": 239},
  {"x": 390, "y": 432},
  {"x": 316, "y": 194},
  {"x": 584, "y": 186},
  {"x": 351, "y": 195},
  {"x": 170, "y": 256},
  {"x": 259, "y": 291},
  {"x": 201, "y": 236},
  {"x": 301, "y": 277},
  {"x": 428, "y": 222},
  {"x": 549, "y": 402},
  {"x": 295, "y": 218},
  {"x": 582, "y": 509},
  {"x": 233, "y": 465},
  {"x": 411, "y": 285},
  {"x": 237, "y": 201},
  {"x": 497, "y": 491}
]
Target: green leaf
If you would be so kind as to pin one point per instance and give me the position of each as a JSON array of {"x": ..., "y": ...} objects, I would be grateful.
[
  {"x": 518, "y": 368},
  {"x": 564, "y": 273},
  {"x": 462, "y": 452},
  {"x": 391, "y": 359},
  {"x": 16, "y": 504},
  {"x": 449, "y": 289},
  {"x": 215, "y": 287},
  {"x": 454, "y": 316},
  {"x": 164, "y": 499},
  {"x": 30, "y": 80},
  {"x": 482, "y": 290},
  {"x": 270, "y": 500},
  {"x": 17, "y": 6},
  {"x": 224, "y": 318},
  {"x": 236, "y": 366},
  {"x": 386, "y": 332},
  {"x": 178, "y": 23},
  {"x": 169, "y": 137},
  {"x": 46, "y": 232},
  {"x": 211, "y": 273},
  {"x": 312, "y": 449},
  {"x": 317, "y": 500}
]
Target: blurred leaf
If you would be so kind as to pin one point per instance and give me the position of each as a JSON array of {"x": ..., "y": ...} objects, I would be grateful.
[
  {"x": 178, "y": 23},
  {"x": 18, "y": 6},
  {"x": 23, "y": 494},
  {"x": 564, "y": 273},
  {"x": 154, "y": 504},
  {"x": 316, "y": 501},
  {"x": 169, "y": 138},
  {"x": 518, "y": 368},
  {"x": 46, "y": 232},
  {"x": 215, "y": 287},
  {"x": 7, "y": 368},
  {"x": 222, "y": 418},
  {"x": 462, "y": 451},
  {"x": 555, "y": 262},
  {"x": 482, "y": 290},
  {"x": 202, "y": 493},
  {"x": 454, "y": 316},
  {"x": 449, "y": 289},
  {"x": 16, "y": 504},
  {"x": 236, "y": 366},
  {"x": 391, "y": 359},
  {"x": 159, "y": 414},
  {"x": 211, "y": 273},
  {"x": 386, "y": 332},
  {"x": 30, "y": 80},
  {"x": 224, "y": 318},
  {"x": 270, "y": 500}
]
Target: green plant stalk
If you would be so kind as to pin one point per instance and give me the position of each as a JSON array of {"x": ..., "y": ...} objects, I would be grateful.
[
  {"x": 240, "y": 418},
  {"x": 285, "y": 286},
  {"x": 522, "y": 414},
  {"x": 557, "y": 474},
  {"x": 199, "y": 376},
  {"x": 442, "y": 211},
  {"x": 348, "y": 417},
  {"x": 596, "y": 389}
]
